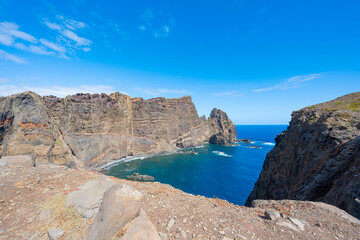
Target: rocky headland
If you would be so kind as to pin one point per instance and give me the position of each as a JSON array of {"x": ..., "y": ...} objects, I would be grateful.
[
  {"x": 317, "y": 158},
  {"x": 47, "y": 190},
  {"x": 85, "y": 130}
]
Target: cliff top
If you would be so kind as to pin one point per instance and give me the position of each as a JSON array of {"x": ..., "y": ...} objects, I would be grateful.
[
  {"x": 113, "y": 95},
  {"x": 32, "y": 201},
  {"x": 350, "y": 102}
]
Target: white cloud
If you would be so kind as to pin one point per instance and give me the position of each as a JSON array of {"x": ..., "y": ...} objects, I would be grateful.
[
  {"x": 268, "y": 88},
  {"x": 53, "y": 46},
  {"x": 6, "y": 39},
  {"x": 161, "y": 91},
  {"x": 33, "y": 49},
  {"x": 10, "y": 31},
  {"x": 234, "y": 93},
  {"x": 158, "y": 30},
  {"x": 58, "y": 91},
  {"x": 142, "y": 27},
  {"x": 66, "y": 31},
  {"x": 71, "y": 23},
  {"x": 148, "y": 16},
  {"x": 80, "y": 41},
  {"x": 52, "y": 26},
  {"x": 293, "y": 82},
  {"x": 12, "y": 37},
  {"x": 298, "y": 80},
  {"x": 7, "y": 56},
  {"x": 3, "y": 80}
]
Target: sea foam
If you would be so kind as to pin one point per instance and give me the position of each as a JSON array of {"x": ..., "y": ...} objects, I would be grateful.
[{"x": 222, "y": 154}]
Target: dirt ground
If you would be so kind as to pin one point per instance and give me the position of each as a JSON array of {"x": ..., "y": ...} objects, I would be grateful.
[{"x": 32, "y": 200}]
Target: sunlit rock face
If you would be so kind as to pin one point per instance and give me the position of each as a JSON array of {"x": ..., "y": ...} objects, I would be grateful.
[
  {"x": 317, "y": 158},
  {"x": 88, "y": 130}
]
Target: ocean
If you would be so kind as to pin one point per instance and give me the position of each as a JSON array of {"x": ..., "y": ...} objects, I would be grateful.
[{"x": 225, "y": 172}]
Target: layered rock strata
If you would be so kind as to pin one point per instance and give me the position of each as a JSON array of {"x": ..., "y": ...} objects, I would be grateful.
[
  {"x": 90, "y": 130},
  {"x": 317, "y": 158}
]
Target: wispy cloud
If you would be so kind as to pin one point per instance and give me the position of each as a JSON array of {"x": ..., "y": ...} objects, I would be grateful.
[
  {"x": 10, "y": 31},
  {"x": 11, "y": 36},
  {"x": 7, "y": 56},
  {"x": 148, "y": 16},
  {"x": 54, "y": 46},
  {"x": 161, "y": 28},
  {"x": 233, "y": 93},
  {"x": 71, "y": 23},
  {"x": 297, "y": 81},
  {"x": 161, "y": 91},
  {"x": 293, "y": 82},
  {"x": 268, "y": 88},
  {"x": 33, "y": 49},
  {"x": 67, "y": 31},
  {"x": 58, "y": 91}
]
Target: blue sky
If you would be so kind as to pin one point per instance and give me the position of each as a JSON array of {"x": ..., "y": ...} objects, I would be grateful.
[{"x": 257, "y": 60}]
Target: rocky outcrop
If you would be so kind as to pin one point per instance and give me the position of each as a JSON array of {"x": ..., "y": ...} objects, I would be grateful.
[
  {"x": 88, "y": 198},
  {"x": 140, "y": 178},
  {"x": 317, "y": 158},
  {"x": 224, "y": 131},
  {"x": 120, "y": 204},
  {"x": 90, "y": 130}
]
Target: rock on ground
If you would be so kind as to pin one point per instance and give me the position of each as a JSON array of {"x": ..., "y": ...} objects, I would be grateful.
[
  {"x": 120, "y": 204},
  {"x": 17, "y": 161},
  {"x": 55, "y": 233},
  {"x": 88, "y": 198},
  {"x": 140, "y": 228}
]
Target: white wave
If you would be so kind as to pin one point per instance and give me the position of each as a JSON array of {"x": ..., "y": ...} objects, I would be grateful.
[
  {"x": 221, "y": 154},
  {"x": 268, "y": 143},
  {"x": 125, "y": 159},
  {"x": 201, "y": 146}
]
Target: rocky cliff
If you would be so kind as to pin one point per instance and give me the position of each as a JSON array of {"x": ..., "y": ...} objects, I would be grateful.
[
  {"x": 317, "y": 158},
  {"x": 90, "y": 130}
]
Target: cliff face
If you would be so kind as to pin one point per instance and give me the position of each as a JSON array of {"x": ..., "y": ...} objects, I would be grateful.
[
  {"x": 317, "y": 158},
  {"x": 90, "y": 130},
  {"x": 223, "y": 128}
]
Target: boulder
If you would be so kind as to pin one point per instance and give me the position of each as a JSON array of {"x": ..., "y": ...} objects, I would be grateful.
[
  {"x": 55, "y": 233},
  {"x": 120, "y": 204},
  {"x": 17, "y": 161},
  {"x": 88, "y": 198},
  {"x": 141, "y": 178},
  {"x": 140, "y": 228},
  {"x": 272, "y": 214}
]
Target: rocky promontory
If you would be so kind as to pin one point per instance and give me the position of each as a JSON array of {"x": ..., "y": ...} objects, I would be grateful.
[
  {"x": 89, "y": 130},
  {"x": 317, "y": 158}
]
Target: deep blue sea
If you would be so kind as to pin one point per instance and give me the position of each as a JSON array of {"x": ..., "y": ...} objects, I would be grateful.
[{"x": 217, "y": 171}]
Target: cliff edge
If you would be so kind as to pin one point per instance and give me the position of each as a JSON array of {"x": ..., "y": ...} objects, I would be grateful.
[
  {"x": 317, "y": 158},
  {"x": 88, "y": 130},
  {"x": 55, "y": 202}
]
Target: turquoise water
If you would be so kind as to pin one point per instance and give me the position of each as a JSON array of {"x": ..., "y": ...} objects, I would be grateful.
[{"x": 217, "y": 171}]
